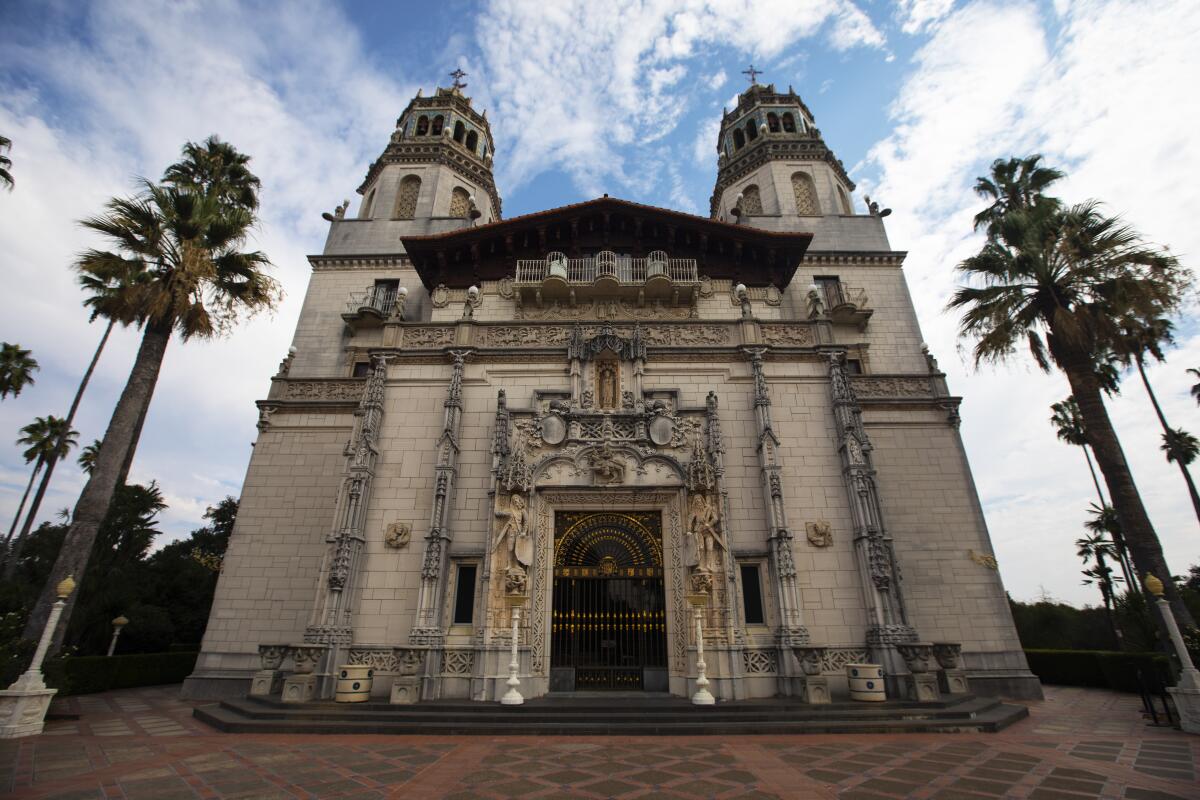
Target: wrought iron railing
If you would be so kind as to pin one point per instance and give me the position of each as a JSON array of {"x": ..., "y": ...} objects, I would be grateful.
[
  {"x": 380, "y": 300},
  {"x": 838, "y": 295},
  {"x": 625, "y": 270}
]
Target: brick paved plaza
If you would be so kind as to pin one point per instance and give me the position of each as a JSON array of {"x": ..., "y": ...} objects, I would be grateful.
[{"x": 144, "y": 744}]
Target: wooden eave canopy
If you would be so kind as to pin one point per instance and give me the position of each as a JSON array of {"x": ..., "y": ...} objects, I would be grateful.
[{"x": 465, "y": 257}]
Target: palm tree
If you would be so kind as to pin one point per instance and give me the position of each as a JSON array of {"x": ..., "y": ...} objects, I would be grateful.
[
  {"x": 1196, "y": 385},
  {"x": 1103, "y": 521},
  {"x": 87, "y": 457},
  {"x": 1142, "y": 337},
  {"x": 46, "y": 439},
  {"x": 178, "y": 268},
  {"x": 1097, "y": 547},
  {"x": 1060, "y": 280},
  {"x": 1068, "y": 426},
  {"x": 16, "y": 369},
  {"x": 1013, "y": 185},
  {"x": 6, "y": 178}
]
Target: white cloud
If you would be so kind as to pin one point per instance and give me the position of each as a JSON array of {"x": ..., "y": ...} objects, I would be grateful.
[
  {"x": 1095, "y": 100},
  {"x": 704, "y": 146},
  {"x": 717, "y": 80},
  {"x": 573, "y": 83},
  {"x": 916, "y": 16},
  {"x": 122, "y": 92}
]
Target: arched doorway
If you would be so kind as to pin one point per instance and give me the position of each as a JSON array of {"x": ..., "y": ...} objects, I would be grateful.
[{"x": 608, "y": 627}]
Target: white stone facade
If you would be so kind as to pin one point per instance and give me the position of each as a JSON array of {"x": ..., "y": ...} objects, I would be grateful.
[{"x": 379, "y": 419}]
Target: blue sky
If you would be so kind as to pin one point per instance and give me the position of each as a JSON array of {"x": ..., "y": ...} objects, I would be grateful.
[{"x": 915, "y": 97}]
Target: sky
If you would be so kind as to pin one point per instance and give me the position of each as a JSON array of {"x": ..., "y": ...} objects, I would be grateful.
[{"x": 624, "y": 97}]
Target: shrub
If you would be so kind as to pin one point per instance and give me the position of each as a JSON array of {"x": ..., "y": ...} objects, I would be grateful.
[
  {"x": 88, "y": 674},
  {"x": 1102, "y": 669}
]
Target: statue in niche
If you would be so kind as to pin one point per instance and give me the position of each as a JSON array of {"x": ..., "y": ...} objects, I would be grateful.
[
  {"x": 606, "y": 467},
  {"x": 607, "y": 385},
  {"x": 513, "y": 534},
  {"x": 704, "y": 537}
]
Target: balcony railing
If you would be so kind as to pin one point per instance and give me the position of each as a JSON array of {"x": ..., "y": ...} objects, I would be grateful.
[
  {"x": 607, "y": 266},
  {"x": 369, "y": 308},
  {"x": 845, "y": 304}
]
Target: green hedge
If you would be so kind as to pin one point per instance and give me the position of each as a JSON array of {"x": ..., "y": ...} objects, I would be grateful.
[
  {"x": 1103, "y": 669},
  {"x": 88, "y": 674}
]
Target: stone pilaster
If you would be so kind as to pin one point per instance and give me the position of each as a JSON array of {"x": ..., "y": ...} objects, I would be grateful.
[
  {"x": 779, "y": 535},
  {"x": 330, "y": 623},
  {"x": 887, "y": 624},
  {"x": 428, "y": 627}
]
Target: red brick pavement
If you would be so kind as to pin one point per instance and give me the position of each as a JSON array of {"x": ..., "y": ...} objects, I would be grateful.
[{"x": 143, "y": 743}]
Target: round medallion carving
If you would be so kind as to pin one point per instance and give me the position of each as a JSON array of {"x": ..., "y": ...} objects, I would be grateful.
[
  {"x": 553, "y": 429},
  {"x": 661, "y": 430}
]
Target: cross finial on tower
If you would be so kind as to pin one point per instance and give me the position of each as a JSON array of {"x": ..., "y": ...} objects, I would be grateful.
[
  {"x": 458, "y": 75},
  {"x": 752, "y": 73}
]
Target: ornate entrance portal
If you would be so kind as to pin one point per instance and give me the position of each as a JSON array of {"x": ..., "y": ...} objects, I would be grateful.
[{"x": 608, "y": 629}]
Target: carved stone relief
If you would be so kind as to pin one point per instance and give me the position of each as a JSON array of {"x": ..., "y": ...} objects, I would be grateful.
[
  {"x": 877, "y": 387},
  {"x": 428, "y": 337},
  {"x": 820, "y": 533},
  {"x": 325, "y": 390},
  {"x": 397, "y": 535},
  {"x": 788, "y": 335}
]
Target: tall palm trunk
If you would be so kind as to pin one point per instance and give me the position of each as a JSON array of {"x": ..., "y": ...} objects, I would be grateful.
[
  {"x": 10, "y": 565},
  {"x": 97, "y": 493},
  {"x": 1139, "y": 533},
  {"x": 1162, "y": 419},
  {"x": 1092, "y": 469},
  {"x": 32, "y": 477},
  {"x": 1106, "y": 591}
]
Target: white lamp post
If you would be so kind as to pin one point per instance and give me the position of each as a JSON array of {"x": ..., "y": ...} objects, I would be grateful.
[
  {"x": 1187, "y": 691},
  {"x": 24, "y": 704},
  {"x": 118, "y": 623},
  {"x": 702, "y": 696},
  {"x": 513, "y": 696}
]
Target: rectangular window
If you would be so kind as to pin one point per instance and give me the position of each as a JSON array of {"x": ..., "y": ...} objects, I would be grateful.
[
  {"x": 831, "y": 290},
  {"x": 362, "y": 369},
  {"x": 854, "y": 366},
  {"x": 464, "y": 595},
  {"x": 752, "y": 595}
]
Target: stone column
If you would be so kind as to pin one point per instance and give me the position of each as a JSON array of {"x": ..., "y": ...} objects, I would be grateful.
[
  {"x": 330, "y": 623},
  {"x": 779, "y": 535},
  {"x": 887, "y": 624},
  {"x": 428, "y": 627}
]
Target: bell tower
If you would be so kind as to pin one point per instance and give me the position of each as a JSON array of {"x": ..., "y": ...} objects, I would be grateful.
[
  {"x": 437, "y": 167},
  {"x": 773, "y": 167}
]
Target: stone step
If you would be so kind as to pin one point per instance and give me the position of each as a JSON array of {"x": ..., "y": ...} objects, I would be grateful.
[{"x": 555, "y": 717}]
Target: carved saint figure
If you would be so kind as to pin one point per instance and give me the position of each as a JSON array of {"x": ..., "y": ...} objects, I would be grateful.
[
  {"x": 606, "y": 467},
  {"x": 606, "y": 375},
  {"x": 514, "y": 534},
  {"x": 704, "y": 538}
]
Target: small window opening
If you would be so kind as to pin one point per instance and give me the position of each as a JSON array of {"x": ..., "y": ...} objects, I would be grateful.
[
  {"x": 460, "y": 131},
  {"x": 773, "y": 123},
  {"x": 438, "y": 122},
  {"x": 854, "y": 366},
  {"x": 422, "y": 125},
  {"x": 464, "y": 595},
  {"x": 362, "y": 369},
  {"x": 752, "y": 602},
  {"x": 751, "y": 131},
  {"x": 472, "y": 141},
  {"x": 789, "y": 122},
  {"x": 739, "y": 139}
]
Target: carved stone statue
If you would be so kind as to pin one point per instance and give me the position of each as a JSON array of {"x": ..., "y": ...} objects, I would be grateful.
[
  {"x": 704, "y": 537},
  {"x": 606, "y": 467},
  {"x": 514, "y": 535},
  {"x": 340, "y": 211},
  {"x": 820, "y": 533},
  {"x": 606, "y": 385}
]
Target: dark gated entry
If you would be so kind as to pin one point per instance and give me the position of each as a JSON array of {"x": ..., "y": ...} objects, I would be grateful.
[{"x": 609, "y": 625}]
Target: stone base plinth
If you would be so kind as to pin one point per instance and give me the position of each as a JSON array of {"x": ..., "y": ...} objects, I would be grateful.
[
  {"x": 1187, "y": 703},
  {"x": 921, "y": 686},
  {"x": 266, "y": 682},
  {"x": 406, "y": 690},
  {"x": 300, "y": 688},
  {"x": 954, "y": 681},
  {"x": 23, "y": 711},
  {"x": 815, "y": 689}
]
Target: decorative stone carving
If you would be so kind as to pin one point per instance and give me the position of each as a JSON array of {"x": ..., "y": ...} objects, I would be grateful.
[
  {"x": 425, "y": 337},
  {"x": 788, "y": 335},
  {"x": 504, "y": 288},
  {"x": 440, "y": 296},
  {"x": 812, "y": 659},
  {"x": 759, "y": 662},
  {"x": 397, "y": 535},
  {"x": 458, "y": 662},
  {"x": 330, "y": 390},
  {"x": 879, "y": 387},
  {"x": 890, "y": 634},
  {"x": 820, "y": 533},
  {"x": 922, "y": 687},
  {"x": 604, "y": 309},
  {"x": 553, "y": 429},
  {"x": 606, "y": 468},
  {"x": 515, "y": 581},
  {"x": 983, "y": 559},
  {"x": 407, "y": 660},
  {"x": 306, "y": 657},
  {"x": 918, "y": 656},
  {"x": 272, "y": 655},
  {"x": 947, "y": 654}
]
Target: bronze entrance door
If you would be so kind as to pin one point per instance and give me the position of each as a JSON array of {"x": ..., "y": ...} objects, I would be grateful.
[{"x": 609, "y": 620}]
